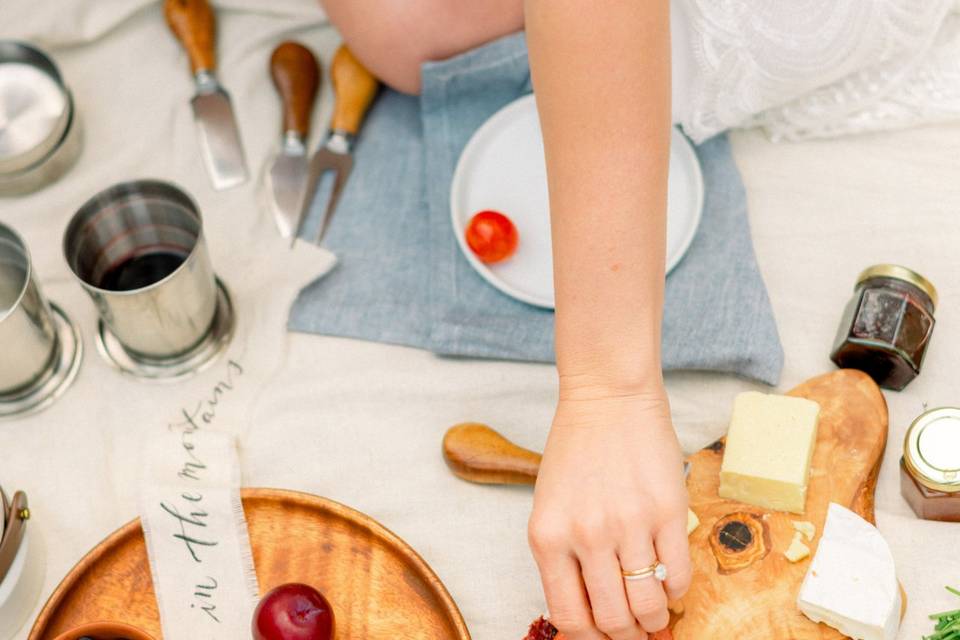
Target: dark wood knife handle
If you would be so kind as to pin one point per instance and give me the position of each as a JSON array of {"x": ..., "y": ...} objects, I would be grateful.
[
  {"x": 194, "y": 24},
  {"x": 296, "y": 75},
  {"x": 477, "y": 453},
  {"x": 355, "y": 89}
]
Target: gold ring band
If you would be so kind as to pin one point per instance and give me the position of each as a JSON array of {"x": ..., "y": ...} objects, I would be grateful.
[{"x": 656, "y": 570}]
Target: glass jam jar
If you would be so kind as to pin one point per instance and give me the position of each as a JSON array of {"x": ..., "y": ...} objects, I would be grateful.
[
  {"x": 930, "y": 466},
  {"x": 887, "y": 325}
]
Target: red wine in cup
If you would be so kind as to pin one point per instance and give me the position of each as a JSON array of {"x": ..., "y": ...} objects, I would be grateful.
[{"x": 141, "y": 270}]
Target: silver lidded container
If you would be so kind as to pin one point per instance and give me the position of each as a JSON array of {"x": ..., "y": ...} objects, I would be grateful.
[{"x": 40, "y": 136}]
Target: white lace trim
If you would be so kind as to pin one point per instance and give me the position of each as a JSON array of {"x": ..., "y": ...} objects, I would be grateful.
[{"x": 815, "y": 68}]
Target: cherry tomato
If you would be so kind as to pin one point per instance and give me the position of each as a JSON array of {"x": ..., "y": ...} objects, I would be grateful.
[{"x": 492, "y": 236}]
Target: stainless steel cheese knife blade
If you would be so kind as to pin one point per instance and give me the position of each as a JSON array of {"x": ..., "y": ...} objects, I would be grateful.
[
  {"x": 355, "y": 88},
  {"x": 296, "y": 75},
  {"x": 194, "y": 24}
]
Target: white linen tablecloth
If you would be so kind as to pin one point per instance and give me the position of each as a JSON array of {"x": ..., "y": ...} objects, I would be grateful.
[{"x": 362, "y": 423}]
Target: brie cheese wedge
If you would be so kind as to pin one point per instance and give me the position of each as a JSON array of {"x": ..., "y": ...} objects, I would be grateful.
[{"x": 851, "y": 584}]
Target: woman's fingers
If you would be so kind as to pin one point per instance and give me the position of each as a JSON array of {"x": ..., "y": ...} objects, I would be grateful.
[
  {"x": 563, "y": 588},
  {"x": 608, "y": 599},
  {"x": 648, "y": 602},
  {"x": 673, "y": 550}
]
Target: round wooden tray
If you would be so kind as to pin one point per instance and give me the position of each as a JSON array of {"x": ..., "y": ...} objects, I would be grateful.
[{"x": 379, "y": 587}]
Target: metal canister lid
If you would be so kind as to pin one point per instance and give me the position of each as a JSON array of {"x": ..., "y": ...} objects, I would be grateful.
[
  {"x": 900, "y": 273},
  {"x": 931, "y": 449},
  {"x": 34, "y": 106}
]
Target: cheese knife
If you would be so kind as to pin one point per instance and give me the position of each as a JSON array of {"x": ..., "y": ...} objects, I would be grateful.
[
  {"x": 194, "y": 25},
  {"x": 296, "y": 76},
  {"x": 354, "y": 88}
]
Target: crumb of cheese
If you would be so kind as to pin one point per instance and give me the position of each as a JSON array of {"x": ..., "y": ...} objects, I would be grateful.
[
  {"x": 692, "y": 521},
  {"x": 808, "y": 529},
  {"x": 797, "y": 551}
]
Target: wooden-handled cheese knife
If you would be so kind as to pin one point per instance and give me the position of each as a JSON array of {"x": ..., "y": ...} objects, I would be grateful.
[
  {"x": 194, "y": 24},
  {"x": 355, "y": 88},
  {"x": 296, "y": 76}
]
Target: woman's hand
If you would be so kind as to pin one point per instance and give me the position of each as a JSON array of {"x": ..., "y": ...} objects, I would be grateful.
[{"x": 610, "y": 495}]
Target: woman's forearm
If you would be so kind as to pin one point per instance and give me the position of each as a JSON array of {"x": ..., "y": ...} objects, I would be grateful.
[{"x": 603, "y": 91}]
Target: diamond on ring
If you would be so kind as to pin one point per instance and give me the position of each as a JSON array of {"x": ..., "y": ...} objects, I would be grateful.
[{"x": 660, "y": 572}]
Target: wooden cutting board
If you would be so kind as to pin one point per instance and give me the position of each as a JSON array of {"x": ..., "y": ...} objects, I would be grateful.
[
  {"x": 378, "y": 586},
  {"x": 743, "y": 586}
]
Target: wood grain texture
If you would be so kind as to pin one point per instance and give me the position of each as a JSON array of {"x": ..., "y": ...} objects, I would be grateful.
[
  {"x": 105, "y": 631},
  {"x": 296, "y": 75},
  {"x": 379, "y": 587},
  {"x": 195, "y": 26},
  {"x": 743, "y": 586},
  {"x": 355, "y": 89}
]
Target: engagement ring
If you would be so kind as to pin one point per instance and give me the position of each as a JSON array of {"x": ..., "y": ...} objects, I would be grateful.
[{"x": 656, "y": 570}]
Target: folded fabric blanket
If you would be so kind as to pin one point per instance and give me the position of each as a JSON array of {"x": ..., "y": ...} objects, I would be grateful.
[{"x": 402, "y": 279}]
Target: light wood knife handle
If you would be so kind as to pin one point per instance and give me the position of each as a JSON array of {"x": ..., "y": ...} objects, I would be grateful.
[
  {"x": 296, "y": 75},
  {"x": 477, "y": 453},
  {"x": 194, "y": 24},
  {"x": 355, "y": 89}
]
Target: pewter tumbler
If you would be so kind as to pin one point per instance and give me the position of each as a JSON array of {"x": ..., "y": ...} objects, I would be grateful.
[
  {"x": 28, "y": 337},
  {"x": 158, "y": 315}
]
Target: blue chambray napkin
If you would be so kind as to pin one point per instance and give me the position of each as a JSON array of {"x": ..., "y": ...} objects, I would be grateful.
[{"x": 401, "y": 278}]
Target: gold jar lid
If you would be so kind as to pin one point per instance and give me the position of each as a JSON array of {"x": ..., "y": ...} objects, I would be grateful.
[
  {"x": 931, "y": 449},
  {"x": 900, "y": 273}
]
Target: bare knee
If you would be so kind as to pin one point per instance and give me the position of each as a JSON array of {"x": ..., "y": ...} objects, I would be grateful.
[
  {"x": 393, "y": 38},
  {"x": 384, "y": 36}
]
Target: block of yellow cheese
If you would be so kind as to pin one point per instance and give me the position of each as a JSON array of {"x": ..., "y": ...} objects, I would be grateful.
[{"x": 766, "y": 460}]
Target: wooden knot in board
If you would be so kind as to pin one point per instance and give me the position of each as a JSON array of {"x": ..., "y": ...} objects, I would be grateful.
[{"x": 738, "y": 540}]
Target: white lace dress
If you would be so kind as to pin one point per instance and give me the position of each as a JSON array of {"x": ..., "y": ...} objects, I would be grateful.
[{"x": 814, "y": 68}]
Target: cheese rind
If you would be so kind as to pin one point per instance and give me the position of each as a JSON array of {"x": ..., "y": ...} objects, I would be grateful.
[
  {"x": 766, "y": 460},
  {"x": 851, "y": 583}
]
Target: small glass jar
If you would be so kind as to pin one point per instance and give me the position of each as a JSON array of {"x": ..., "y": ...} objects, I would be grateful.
[
  {"x": 887, "y": 325},
  {"x": 930, "y": 466}
]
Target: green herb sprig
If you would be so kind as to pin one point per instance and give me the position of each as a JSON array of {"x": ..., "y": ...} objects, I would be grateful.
[{"x": 948, "y": 623}]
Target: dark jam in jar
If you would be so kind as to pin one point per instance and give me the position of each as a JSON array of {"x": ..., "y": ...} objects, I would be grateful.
[{"x": 887, "y": 325}]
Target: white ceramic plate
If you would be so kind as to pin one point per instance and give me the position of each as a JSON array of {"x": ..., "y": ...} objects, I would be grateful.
[{"x": 502, "y": 168}]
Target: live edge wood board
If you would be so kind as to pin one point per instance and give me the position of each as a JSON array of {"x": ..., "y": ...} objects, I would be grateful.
[
  {"x": 378, "y": 586},
  {"x": 743, "y": 586}
]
